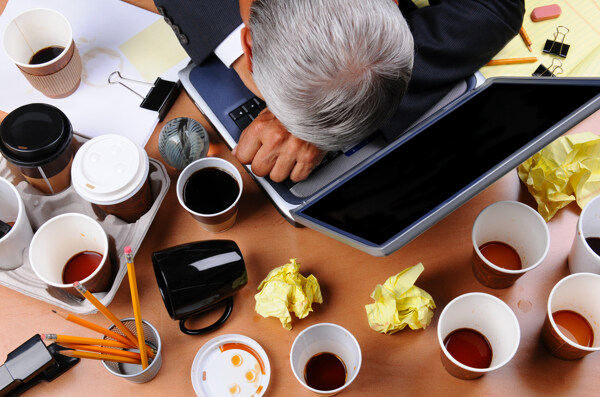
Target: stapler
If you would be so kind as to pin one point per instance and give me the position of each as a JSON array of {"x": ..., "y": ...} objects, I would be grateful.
[{"x": 31, "y": 363}]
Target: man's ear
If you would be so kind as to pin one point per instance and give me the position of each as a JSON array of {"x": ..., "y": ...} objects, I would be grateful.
[{"x": 247, "y": 45}]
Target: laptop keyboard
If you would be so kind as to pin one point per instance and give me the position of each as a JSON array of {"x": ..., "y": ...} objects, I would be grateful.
[{"x": 243, "y": 115}]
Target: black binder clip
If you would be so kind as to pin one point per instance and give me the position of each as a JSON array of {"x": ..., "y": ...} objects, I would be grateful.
[
  {"x": 555, "y": 46},
  {"x": 554, "y": 69},
  {"x": 31, "y": 363},
  {"x": 160, "y": 98}
]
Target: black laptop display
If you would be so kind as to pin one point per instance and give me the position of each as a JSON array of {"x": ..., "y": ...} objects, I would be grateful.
[{"x": 402, "y": 188}]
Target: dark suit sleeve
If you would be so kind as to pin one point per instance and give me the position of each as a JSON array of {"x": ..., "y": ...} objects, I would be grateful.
[
  {"x": 453, "y": 39},
  {"x": 200, "y": 26}
]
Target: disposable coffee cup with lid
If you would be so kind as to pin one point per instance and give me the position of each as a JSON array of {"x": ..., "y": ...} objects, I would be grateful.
[
  {"x": 37, "y": 139},
  {"x": 111, "y": 171}
]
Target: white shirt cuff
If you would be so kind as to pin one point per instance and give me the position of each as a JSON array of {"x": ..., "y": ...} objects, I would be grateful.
[{"x": 231, "y": 48}]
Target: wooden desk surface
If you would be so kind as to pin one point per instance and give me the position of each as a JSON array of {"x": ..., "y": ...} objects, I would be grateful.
[{"x": 406, "y": 363}]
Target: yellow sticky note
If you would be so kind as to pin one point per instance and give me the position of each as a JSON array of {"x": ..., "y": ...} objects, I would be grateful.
[
  {"x": 398, "y": 303},
  {"x": 285, "y": 290},
  {"x": 153, "y": 51},
  {"x": 566, "y": 170}
]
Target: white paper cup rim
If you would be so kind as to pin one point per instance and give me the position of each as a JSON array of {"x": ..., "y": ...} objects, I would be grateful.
[
  {"x": 57, "y": 218},
  {"x": 21, "y": 208},
  {"x": 549, "y": 308},
  {"x": 40, "y": 65},
  {"x": 223, "y": 164},
  {"x": 498, "y": 301},
  {"x": 349, "y": 380},
  {"x": 533, "y": 213}
]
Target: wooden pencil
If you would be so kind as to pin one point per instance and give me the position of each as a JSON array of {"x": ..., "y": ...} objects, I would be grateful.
[
  {"x": 96, "y": 327},
  {"x": 101, "y": 349},
  {"x": 104, "y": 331},
  {"x": 104, "y": 310},
  {"x": 99, "y": 356},
  {"x": 83, "y": 340},
  {"x": 525, "y": 38},
  {"x": 135, "y": 300},
  {"x": 511, "y": 61}
]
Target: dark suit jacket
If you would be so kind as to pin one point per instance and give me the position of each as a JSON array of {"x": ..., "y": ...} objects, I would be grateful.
[
  {"x": 453, "y": 39},
  {"x": 200, "y": 26}
]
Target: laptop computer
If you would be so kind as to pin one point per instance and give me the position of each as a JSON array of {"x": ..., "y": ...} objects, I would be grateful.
[{"x": 379, "y": 195}]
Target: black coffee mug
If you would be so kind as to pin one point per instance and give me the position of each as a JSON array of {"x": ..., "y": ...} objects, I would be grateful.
[{"x": 195, "y": 277}]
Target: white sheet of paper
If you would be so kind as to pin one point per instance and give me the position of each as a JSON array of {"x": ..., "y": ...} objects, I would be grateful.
[{"x": 96, "y": 108}]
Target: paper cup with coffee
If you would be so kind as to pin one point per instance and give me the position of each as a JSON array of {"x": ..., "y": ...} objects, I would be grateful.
[
  {"x": 71, "y": 247},
  {"x": 210, "y": 190},
  {"x": 111, "y": 171},
  {"x": 40, "y": 43},
  {"x": 16, "y": 232},
  {"x": 37, "y": 139}
]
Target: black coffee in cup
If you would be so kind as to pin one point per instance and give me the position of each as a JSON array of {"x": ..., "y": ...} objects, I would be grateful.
[
  {"x": 37, "y": 139},
  {"x": 210, "y": 190}
]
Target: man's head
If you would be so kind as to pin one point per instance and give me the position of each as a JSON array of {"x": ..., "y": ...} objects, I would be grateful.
[{"x": 330, "y": 70}]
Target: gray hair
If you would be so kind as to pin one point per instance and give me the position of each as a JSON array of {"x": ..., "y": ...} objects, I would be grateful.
[{"x": 332, "y": 71}]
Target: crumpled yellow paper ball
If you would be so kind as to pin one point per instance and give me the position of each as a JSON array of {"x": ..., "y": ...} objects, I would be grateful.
[
  {"x": 285, "y": 290},
  {"x": 398, "y": 303},
  {"x": 566, "y": 170}
]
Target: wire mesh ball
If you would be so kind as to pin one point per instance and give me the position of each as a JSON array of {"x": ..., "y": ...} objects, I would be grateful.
[{"x": 181, "y": 141}]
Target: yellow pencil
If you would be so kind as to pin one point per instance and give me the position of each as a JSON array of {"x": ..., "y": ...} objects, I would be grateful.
[
  {"x": 83, "y": 341},
  {"x": 525, "y": 38},
  {"x": 135, "y": 300},
  {"x": 99, "y": 356},
  {"x": 511, "y": 61},
  {"x": 104, "y": 310},
  {"x": 101, "y": 349},
  {"x": 95, "y": 327}
]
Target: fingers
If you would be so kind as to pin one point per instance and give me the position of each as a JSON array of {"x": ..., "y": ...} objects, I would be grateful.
[{"x": 272, "y": 150}]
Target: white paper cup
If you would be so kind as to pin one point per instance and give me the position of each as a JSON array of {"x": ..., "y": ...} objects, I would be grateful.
[
  {"x": 489, "y": 316},
  {"x": 111, "y": 171},
  {"x": 580, "y": 293},
  {"x": 517, "y": 225},
  {"x": 34, "y": 30},
  {"x": 61, "y": 238},
  {"x": 326, "y": 338},
  {"x": 581, "y": 257},
  {"x": 18, "y": 238},
  {"x": 213, "y": 222}
]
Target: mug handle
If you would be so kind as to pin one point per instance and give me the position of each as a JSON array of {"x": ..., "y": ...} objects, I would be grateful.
[{"x": 228, "y": 309}]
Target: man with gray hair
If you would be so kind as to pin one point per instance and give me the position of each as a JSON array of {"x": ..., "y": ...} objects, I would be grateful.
[{"x": 334, "y": 71}]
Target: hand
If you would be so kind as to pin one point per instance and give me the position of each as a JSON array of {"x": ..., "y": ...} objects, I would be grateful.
[{"x": 273, "y": 151}]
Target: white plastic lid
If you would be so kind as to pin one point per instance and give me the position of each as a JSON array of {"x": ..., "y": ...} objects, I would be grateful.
[
  {"x": 109, "y": 169},
  {"x": 231, "y": 365}
]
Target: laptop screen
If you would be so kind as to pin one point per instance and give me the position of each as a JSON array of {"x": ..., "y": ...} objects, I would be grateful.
[{"x": 500, "y": 126}]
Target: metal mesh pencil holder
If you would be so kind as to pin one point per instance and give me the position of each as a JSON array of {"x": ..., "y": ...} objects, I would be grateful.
[{"x": 134, "y": 372}]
